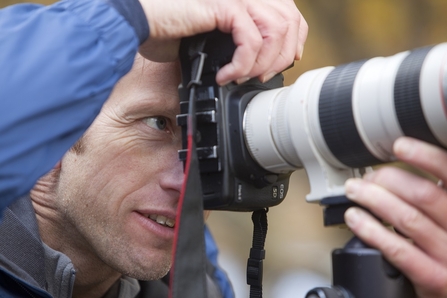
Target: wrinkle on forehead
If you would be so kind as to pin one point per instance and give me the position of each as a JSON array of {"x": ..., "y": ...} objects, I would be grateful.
[
  {"x": 149, "y": 81},
  {"x": 166, "y": 72}
]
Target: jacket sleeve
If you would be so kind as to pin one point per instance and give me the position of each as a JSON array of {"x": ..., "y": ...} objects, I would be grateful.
[
  {"x": 216, "y": 276},
  {"x": 58, "y": 65}
]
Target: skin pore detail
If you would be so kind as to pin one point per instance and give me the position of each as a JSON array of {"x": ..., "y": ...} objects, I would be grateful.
[{"x": 110, "y": 204}]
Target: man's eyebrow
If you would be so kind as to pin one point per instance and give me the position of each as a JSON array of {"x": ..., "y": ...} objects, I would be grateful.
[{"x": 149, "y": 107}]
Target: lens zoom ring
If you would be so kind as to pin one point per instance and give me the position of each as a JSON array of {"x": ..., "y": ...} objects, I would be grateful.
[
  {"x": 407, "y": 99},
  {"x": 337, "y": 118}
]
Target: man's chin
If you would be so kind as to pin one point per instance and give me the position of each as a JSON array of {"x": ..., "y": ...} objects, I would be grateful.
[{"x": 154, "y": 272}]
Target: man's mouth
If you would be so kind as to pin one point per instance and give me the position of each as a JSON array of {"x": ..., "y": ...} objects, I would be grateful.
[{"x": 162, "y": 220}]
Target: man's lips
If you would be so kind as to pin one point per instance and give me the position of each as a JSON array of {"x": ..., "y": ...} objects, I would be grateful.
[
  {"x": 162, "y": 220},
  {"x": 157, "y": 228}
]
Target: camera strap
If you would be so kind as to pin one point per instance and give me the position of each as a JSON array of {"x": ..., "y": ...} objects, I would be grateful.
[
  {"x": 188, "y": 272},
  {"x": 257, "y": 253}
]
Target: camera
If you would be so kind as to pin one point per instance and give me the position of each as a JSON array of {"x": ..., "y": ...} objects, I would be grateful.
[
  {"x": 335, "y": 122},
  {"x": 231, "y": 178}
]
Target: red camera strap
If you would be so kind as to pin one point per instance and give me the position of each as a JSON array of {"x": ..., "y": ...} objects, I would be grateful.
[{"x": 188, "y": 272}]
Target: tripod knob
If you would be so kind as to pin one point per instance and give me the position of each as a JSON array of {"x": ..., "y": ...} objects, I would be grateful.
[{"x": 335, "y": 292}]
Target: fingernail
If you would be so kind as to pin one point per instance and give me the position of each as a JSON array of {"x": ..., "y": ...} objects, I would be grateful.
[
  {"x": 352, "y": 186},
  {"x": 352, "y": 217},
  {"x": 268, "y": 76},
  {"x": 403, "y": 147},
  {"x": 300, "y": 52},
  {"x": 242, "y": 80}
]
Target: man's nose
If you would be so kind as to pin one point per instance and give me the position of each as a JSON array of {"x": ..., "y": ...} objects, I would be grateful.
[{"x": 174, "y": 175}]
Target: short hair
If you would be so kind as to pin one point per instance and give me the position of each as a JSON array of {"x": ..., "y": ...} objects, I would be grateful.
[{"x": 79, "y": 147}]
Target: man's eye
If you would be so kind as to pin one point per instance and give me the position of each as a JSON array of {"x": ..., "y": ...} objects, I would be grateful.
[{"x": 157, "y": 122}]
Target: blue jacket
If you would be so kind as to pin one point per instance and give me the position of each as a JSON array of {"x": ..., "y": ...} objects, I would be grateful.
[{"x": 58, "y": 65}]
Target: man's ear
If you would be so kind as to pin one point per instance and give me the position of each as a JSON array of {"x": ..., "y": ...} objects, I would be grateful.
[
  {"x": 53, "y": 175},
  {"x": 46, "y": 184}
]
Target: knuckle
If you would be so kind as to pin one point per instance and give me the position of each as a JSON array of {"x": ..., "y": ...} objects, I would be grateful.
[
  {"x": 427, "y": 193},
  {"x": 410, "y": 220},
  {"x": 282, "y": 29},
  {"x": 382, "y": 174},
  {"x": 394, "y": 252},
  {"x": 296, "y": 17},
  {"x": 256, "y": 42}
]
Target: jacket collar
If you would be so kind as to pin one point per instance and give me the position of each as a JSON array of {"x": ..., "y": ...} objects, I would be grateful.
[{"x": 24, "y": 255}]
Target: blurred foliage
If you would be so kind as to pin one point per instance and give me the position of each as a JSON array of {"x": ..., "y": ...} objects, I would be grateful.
[
  {"x": 341, "y": 31},
  {"x": 4, "y": 3}
]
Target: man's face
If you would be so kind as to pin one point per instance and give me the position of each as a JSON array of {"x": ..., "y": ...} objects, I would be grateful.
[{"x": 127, "y": 176}]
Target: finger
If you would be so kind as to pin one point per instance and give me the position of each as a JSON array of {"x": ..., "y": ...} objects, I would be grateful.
[
  {"x": 273, "y": 29},
  {"x": 248, "y": 41},
  {"x": 298, "y": 28},
  {"x": 423, "y": 194},
  {"x": 302, "y": 37},
  {"x": 278, "y": 27},
  {"x": 427, "y": 275},
  {"x": 405, "y": 217},
  {"x": 422, "y": 155},
  {"x": 293, "y": 43},
  {"x": 297, "y": 31}
]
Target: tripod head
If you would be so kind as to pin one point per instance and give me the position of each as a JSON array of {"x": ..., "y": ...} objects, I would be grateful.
[{"x": 360, "y": 271}]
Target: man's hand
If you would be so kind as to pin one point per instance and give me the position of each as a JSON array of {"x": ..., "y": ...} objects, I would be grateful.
[
  {"x": 269, "y": 35},
  {"x": 415, "y": 206}
]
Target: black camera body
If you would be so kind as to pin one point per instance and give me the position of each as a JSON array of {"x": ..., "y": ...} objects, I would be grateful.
[{"x": 231, "y": 179}]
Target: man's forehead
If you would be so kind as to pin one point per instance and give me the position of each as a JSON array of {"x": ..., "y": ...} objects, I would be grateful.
[
  {"x": 148, "y": 81},
  {"x": 167, "y": 72},
  {"x": 151, "y": 77}
]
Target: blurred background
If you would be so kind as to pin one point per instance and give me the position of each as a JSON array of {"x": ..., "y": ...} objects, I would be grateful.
[{"x": 298, "y": 247}]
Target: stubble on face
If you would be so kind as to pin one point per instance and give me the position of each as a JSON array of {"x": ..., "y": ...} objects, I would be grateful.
[
  {"x": 98, "y": 237},
  {"x": 98, "y": 224}
]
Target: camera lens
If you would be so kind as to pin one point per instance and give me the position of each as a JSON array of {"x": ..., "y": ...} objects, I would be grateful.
[{"x": 349, "y": 116}]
